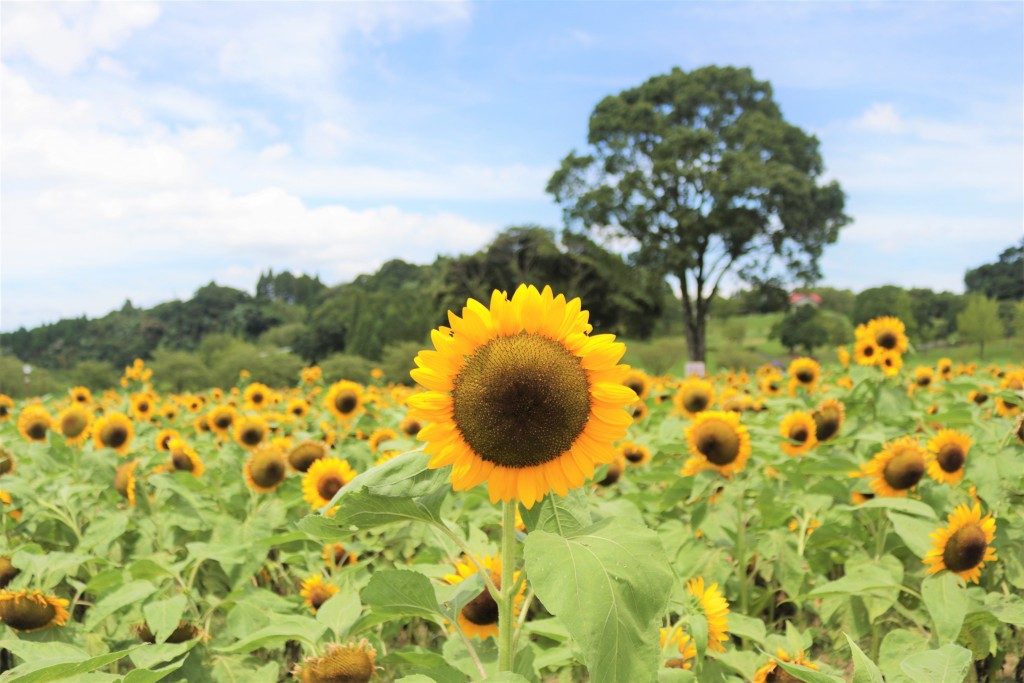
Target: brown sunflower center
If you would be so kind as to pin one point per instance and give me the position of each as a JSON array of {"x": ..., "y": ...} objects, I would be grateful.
[
  {"x": 718, "y": 442},
  {"x": 222, "y": 421},
  {"x": 36, "y": 430},
  {"x": 72, "y": 425},
  {"x": 614, "y": 473},
  {"x": 965, "y": 549},
  {"x": 951, "y": 457},
  {"x": 980, "y": 397},
  {"x": 887, "y": 340},
  {"x": 636, "y": 385},
  {"x": 350, "y": 664},
  {"x": 304, "y": 455},
  {"x": 696, "y": 401},
  {"x": 115, "y": 436},
  {"x": 143, "y": 407},
  {"x": 904, "y": 470},
  {"x": 299, "y": 410},
  {"x": 633, "y": 454},
  {"x": 328, "y": 486},
  {"x": 267, "y": 472},
  {"x": 521, "y": 401},
  {"x": 182, "y": 462},
  {"x": 481, "y": 610},
  {"x": 411, "y": 427},
  {"x": 826, "y": 425},
  {"x": 924, "y": 380},
  {"x": 805, "y": 376},
  {"x": 346, "y": 402},
  {"x": 868, "y": 351},
  {"x": 25, "y": 613},
  {"x": 252, "y": 436},
  {"x": 799, "y": 433},
  {"x": 257, "y": 398},
  {"x": 780, "y": 675}
]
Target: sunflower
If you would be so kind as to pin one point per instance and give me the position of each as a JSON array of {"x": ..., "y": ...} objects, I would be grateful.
[
  {"x": 336, "y": 555},
  {"x": 804, "y": 373},
  {"x": 694, "y": 396},
  {"x": 380, "y": 436},
  {"x": 923, "y": 377},
  {"x": 250, "y": 430},
  {"x": 828, "y": 419},
  {"x": 323, "y": 479},
  {"x": 8, "y": 463},
  {"x": 964, "y": 545},
  {"x": 716, "y": 611},
  {"x": 73, "y": 424},
  {"x": 798, "y": 429},
  {"x": 889, "y": 333},
  {"x": 681, "y": 648},
  {"x": 979, "y": 397},
  {"x": 637, "y": 411},
  {"x": 771, "y": 385},
  {"x": 142, "y": 406},
  {"x": 81, "y": 395},
  {"x": 843, "y": 355},
  {"x": 634, "y": 453},
  {"x": 521, "y": 396},
  {"x": 639, "y": 382},
  {"x": 479, "y": 618},
  {"x": 265, "y": 469},
  {"x": 125, "y": 482},
  {"x": 315, "y": 592},
  {"x": 7, "y": 571},
  {"x": 257, "y": 396},
  {"x": 771, "y": 672},
  {"x": 34, "y": 422},
  {"x": 311, "y": 375},
  {"x": 949, "y": 450},
  {"x": 861, "y": 497},
  {"x": 29, "y": 610},
  {"x": 220, "y": 419},
  {"x": 866, "y": 352},
  {"x": 6, "y": 404},
  {"x": 410, "y": 426},
  {"x": 115, "y": 431},
  {"x": 162, "y": 441},
  {"x": 298, "y": 407},
  {"x": 944, "y": 367},
  {"x": 351, "y": 663},
  {"x": 305, "y": 454},
  {"x": 182, "y": 633},
  {"x": 344, "y": 399},
  {"x": 1013, "y": 382},
  {"x": 169, "y": 412},
  {"x": 616, "y": 468},
  {"x": 897, "y": 468},
  {"x": 717, "y": 440},
  {"x": 184, "y": 458}
]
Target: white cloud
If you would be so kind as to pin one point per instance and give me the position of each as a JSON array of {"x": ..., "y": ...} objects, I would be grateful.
[{"x": 880, "y": 117}]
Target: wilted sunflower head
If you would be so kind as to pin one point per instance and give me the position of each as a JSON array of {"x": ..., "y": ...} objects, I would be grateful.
[
  {"x": 115, "y": 431},
  {"x": 7, "y": 571},
  {"x": 799, "y": 432},
  {"x": 315, "y": 592},
  {"x": 380, "y": 436},
  {"x": 344, "y": 399},
  {"x": 717, "y": 440},
  {"x": 250, "y": 430},
  {"x": 694, "y": 396},
  {"x": 34, "y": 422},
  {"x": 183, "y": 632},
  {"x": 351, "y": 663},
  {"x": 948, "y": 449},
  {"x": 828, "y": 419},
  {"x": 73, "y": 423},
  {"x": 302, "y": 456},
  {"x": 964, "y": 545},
  {"x": 30, "y": 610},
  {"x": 521, "y": 396},
  {"x": 266, "y": 468},
  {"x": 324, "y": 479}
]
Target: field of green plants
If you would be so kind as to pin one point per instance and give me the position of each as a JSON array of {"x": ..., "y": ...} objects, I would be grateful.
[{"x": 531, "y": 510}]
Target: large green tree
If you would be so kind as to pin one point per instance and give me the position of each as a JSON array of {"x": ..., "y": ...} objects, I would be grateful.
[
  {"x": 1002, "y": 280},
  {"x": 703, "y": 174}
]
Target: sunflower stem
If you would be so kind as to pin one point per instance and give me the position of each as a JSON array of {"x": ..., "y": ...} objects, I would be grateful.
[
  {"x": 741, "y": 549},
  {"x": 506, "y": 628}
]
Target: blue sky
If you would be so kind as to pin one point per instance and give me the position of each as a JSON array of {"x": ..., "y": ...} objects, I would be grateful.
[{"x": 150, "y": 148}]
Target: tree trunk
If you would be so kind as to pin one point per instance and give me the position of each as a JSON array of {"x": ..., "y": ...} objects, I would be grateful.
[{"x": 694, "y": 326}]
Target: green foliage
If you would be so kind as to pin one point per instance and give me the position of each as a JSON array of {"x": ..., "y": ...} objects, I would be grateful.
[
  {"x": 979, "y": 322},
  {"x": 934, "y": 312},
  {"x": 842, "y": 301},
  {"x": 15, "y": 382},
  {"x": 808, "y": 327},
  {"x": 881, "y": 301},
  {"x": 702, "y": 171},
  {"x": 398, "y": 361},
  {"x": 734, "y": 330},
  {"x": 180, "y": 370},
  {"x": 1001, "y": 280},
  {"x": 290, "y": 336},
  {"x": 93, "y": 374},
  {"x": 340, "y": 366}
]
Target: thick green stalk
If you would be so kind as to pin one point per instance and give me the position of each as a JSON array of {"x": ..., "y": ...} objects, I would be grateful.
[
  {"x": 506, "y": 625},
  {"x": 741, "y": 550}
]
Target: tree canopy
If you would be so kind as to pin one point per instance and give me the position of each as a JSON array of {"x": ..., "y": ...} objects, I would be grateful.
[{"x": 1002, "y": 280}]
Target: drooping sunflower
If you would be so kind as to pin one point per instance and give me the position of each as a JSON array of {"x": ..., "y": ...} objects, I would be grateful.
[
  {"x": 677, "y": 648},
  {"x": 302, "y": 456},
  {"x": 162, "y": 440},
  {"x": 694, "y": 396},
  {"x": 81, "y": 395},
  {"x": 220, "y": 420},
  {"x": 803, "y": 373},
  {"x": 351, "y": 663},
  {"x": 315, "y": 592},
  {"x": 866, "y": 352},
  {"x": 73, "y": 424},
  {"x": 716, "y": 611},
  {"x": 380, "y": 436},
  {"x": 828, "y": 419},
  {"x": 250, "y": 430},
  {"x": 634, "y": 453},
  {"x": 143, "y": 406},
  {"x": 897, "y": 468},
  {"x": 6, "y": 407},
  {"x": 184, "y": 458},
  {"x": 948, "y": 449},
  {"x": 323, "y": 479},
  {"x": 257, "y": 396},
  {"x": 1012, "y": 381},
  {"x": 964, "y": 545},
  {"x": 336, "y": 555},
  {"x": 479, "y": 618},
  {"x": 799, "y": 431},
  {"x": 7, "y": 571},
  {"x": 114, "y": 430},
  {"x": 183, "y": 632},
  {"x": 639, "y": 381},
  {"x": 717, "y": 440},
  {"x": 520, "y": 396},
  {"x": 344, "y": 399},
  {"x": 34, "y": 422},
  {"x": 772, "y": 672},
  {"x": 8, "y": 463},
  {"x": 410, "y": 426},
  {"x": 265, "y": 469},
  {"x": 31, "y": 610},
  {"x": 125, "y": 481}
]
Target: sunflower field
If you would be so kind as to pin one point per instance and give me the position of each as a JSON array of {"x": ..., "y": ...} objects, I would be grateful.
[{"x": 530, "y": 510}]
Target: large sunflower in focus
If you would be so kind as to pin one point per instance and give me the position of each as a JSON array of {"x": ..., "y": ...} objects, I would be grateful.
[
  {"x": 521, "y": 396},
  {"x": 949, "y": 450},
  {"x": 114, "y": 431},
  {"x": 716, "y": 611},
  {"x": 694, "y": 396},
  {"x": 717, "y": 440},
  {"x": 964, "y": 545},
  {"x": 34, "y": 421},
  {"x": 897, "y": 468}
]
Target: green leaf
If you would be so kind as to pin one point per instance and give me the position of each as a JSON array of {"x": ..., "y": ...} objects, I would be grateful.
[
  {"x": 802, "y": 673},
  {"x": 100, "y": 534},
  {"x": 945, "y": 598},
  {"x": 340, "y": 611},
  {"x": 979, "y": 634},
  {"x": 163, "y": 616},
  {"x": 907, "y": 505},
  {"x": 607, "y": 583},
  {"x": 560, "y": 515},
  {"x": 128, "y": 594},
  {"x": 864, "y": 670},
  {"x": 948, "y": 664},
  {"x": 1008, "y": 609},
  {"x": 747, "y": 627},
  {"x": 42, "y": 671},
  {"x": 402, "y": 593},
  {"x": 282, "y": 627},
  {"x": 430, "y": 665},
  {"x": 29, "y": 650},
  {"x": 913, "y": 530},
  {"x": 896, "y": 646}
]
